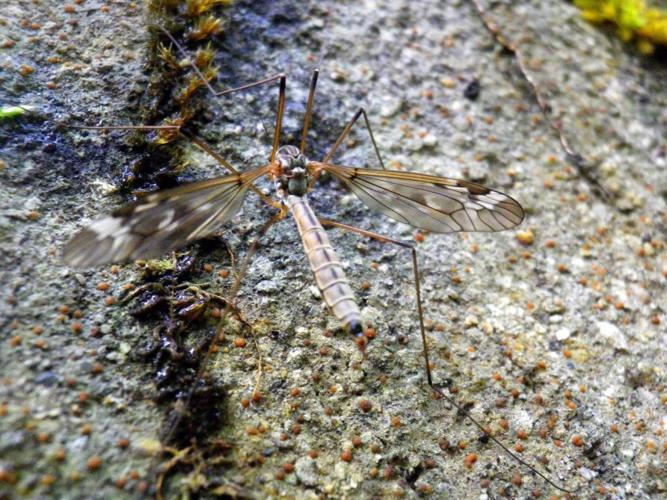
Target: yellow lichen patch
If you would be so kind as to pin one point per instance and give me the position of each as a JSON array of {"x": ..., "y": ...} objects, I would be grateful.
[{"x": 633, "y": 18}]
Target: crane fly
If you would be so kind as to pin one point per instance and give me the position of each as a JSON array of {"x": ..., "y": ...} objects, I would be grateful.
[{"x": 167, "y": 220}]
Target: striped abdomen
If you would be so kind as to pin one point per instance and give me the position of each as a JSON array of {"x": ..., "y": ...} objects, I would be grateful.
[{"x": 331, "y": 279}]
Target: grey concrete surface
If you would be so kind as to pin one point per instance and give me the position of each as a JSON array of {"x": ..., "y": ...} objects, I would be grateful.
[{"x": 557, "y": 344}]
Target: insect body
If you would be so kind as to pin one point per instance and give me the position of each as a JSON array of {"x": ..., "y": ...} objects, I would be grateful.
[{"x": 292, "y": 185}]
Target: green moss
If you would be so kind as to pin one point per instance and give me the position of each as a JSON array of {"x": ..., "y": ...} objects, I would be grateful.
[{"x": 634, "y": 20}]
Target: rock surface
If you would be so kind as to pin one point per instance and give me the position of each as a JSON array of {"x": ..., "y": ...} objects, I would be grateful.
[{"x": 556, "y": 342}]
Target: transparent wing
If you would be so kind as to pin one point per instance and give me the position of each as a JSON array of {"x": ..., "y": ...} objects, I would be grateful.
[
  {"x": 429, "y": 202},
  {"x": 160, "y": 221}
]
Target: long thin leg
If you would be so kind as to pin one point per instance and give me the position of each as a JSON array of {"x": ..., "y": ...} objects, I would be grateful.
[
  {"x": 281, "y": 97},
  {"x": 194, "y": 67},
  {"x": 231, "y": 296},
  {"x": 126, "y": 127},
  {"x": 309, "y": 111},
  {"x": 438, "y": 391},
  {"x": 173, "y": 128},
  {"x": 345, "y": 133}
]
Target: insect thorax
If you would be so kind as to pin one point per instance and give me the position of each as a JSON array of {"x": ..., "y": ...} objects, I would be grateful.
[{"x": 294, "y": 176}]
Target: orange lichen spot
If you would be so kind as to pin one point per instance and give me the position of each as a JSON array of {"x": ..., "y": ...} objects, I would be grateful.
[
  {"x": 207, "y": 267},
  {"x": 223, "y": 273},
  {"x": 86, "y": 430},
  {"x": 395, "y": 421},
  {"x": 519, "y": 448},
  {"x": 356, "y": 441},
  {"x": 504, "y": 424},
  {"x": 655, "y": 319},
  {"x": 288, "y": 467},
  {"x": 121, "y": 482},
  {"x": 388, "y": 472},
  {"x": 43, "y": 437},
  {"x": 562, "y": 268},
  {"x": 103, "y": 286},
  {"x": 15, "y": 341},
  {"x": 577, "y": 440},
  {"x": 109, "y": 300},
  {"x": 47, "y": 480},
  {"x": 497, "y": 377},
  {"x": 517, "y": 479},
  {"x": 94, "y": 463},
  {"x": 123, "y": 443},
  {"x": 25, "y": 70},
  {"x": 448, "y": 83},
  {"x": 419, "y": 237},
  {"x": 313, "y": 454},
  {"x": 78, "y": 314},
  {"x": 245, "y": 402},
  {"x": 570, "y": 404},
  {"x": 252, "y": 431},
  {"x": 97, "y": 369},
  {"x": 69, "y": 9},
  {"x": 470, "y": 460},
  {"x": 567, "y": 353},
  {"x": 328, "y": 411},
  {"x": 8, "y": 44},
  {"x": 365, "y": 405},
  {"x": 614, "y": 428},
  {"x": 240, "y": 342},
  {"x": 346, "y": 456},
  {"x": 296, "y": 429},
  {"x": 295, "y": 392},
  {"x": 256, "y": 396}
]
